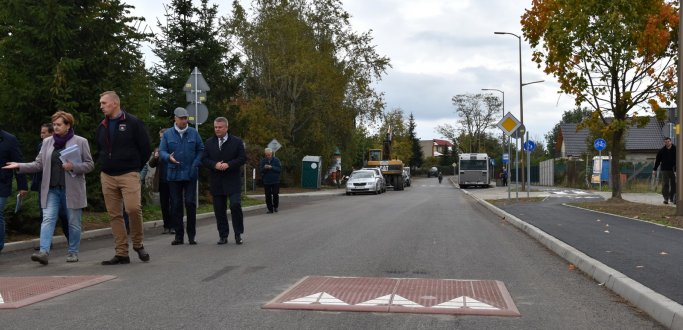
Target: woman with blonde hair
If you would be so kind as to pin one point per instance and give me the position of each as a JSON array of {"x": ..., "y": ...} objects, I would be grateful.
[{"x": 64, "y": 159}]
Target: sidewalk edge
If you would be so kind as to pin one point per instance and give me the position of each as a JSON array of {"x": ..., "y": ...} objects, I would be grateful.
[
  {"x": 664, "y": 310},
  {"x": 97, "y": 233}
]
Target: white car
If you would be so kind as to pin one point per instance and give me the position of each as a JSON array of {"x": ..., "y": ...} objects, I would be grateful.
[
  {"x": 379, "y": 174},
  {"x": 363, "y": 181}
]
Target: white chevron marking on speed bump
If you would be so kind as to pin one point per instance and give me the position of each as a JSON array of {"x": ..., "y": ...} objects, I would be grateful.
[
  {"x": 322, "y": 298},
  {"x": 465, "y": 302},
  {"x": 385, "y": 300},
  {"x": 2, "y": 301}
]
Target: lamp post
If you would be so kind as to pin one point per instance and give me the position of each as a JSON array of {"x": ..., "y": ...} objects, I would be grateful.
[
  {"x": 521, "y": 102},
  {"x": 503, "y": 138}
]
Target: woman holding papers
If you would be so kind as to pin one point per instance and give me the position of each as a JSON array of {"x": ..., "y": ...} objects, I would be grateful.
[{"x": 64, "y": 159}]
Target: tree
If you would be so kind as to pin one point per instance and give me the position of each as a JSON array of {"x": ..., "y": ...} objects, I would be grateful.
[
  {"x": 191, "y": 38},
  {"x": 568, "y": 117},
  {"x": 476, "y": 113},
  {"x": 313, "y": 73},
  {"x": 616, "y": 57},
  {"x": 417, "y": 153},
  {"x": 60, "y": 55}
]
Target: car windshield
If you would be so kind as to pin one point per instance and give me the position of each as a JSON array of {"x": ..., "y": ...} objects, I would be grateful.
[{"x": 362, "y": 175}]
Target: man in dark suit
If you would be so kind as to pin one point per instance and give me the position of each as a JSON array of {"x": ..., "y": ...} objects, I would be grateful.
[
  {"x": 223, "y": 155},
  {"x": 9, "y": 152}
]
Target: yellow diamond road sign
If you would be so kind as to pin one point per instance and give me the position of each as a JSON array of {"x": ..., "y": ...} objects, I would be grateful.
[{"x": 509, "y": 124}]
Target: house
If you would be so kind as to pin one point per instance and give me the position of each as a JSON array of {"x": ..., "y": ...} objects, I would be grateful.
[
  {"x": 435, "y": 147},
  {"x": 641, "y": 144}
]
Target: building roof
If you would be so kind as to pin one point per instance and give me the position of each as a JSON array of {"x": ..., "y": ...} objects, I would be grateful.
[
  {"x": 439, "y": 142},
  {"x": 647, "y": 138}
]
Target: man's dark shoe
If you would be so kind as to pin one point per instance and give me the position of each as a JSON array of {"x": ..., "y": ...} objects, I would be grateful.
[
  {"x": 193, "y": 242},
  {"x": 238, "y": 239},
  {"x": 269, "y": 211},
  {"x": 142, "y": 254},
  {"x": 222, "y": 240},
  {"x": 666, "y": 201},
  {"x": 177, "y": 242},
  {"x": 275, "y": 209},
  {"x": 116, "y": 260}
]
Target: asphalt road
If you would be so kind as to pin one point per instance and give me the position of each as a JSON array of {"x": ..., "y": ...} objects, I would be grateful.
[{"x": 426, "y": 231}]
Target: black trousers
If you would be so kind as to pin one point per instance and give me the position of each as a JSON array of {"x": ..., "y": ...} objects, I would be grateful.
[
  {"x": 272, "y": 195},
  {"x": 668, "y": 185},
  {"x": 184, "y": 193},
  {"x": 220, "y": 211}
]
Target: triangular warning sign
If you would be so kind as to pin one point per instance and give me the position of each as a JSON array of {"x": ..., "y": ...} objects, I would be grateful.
[
  {"x": 322, "y": 298},
  {"x": 464, "y": 302}
]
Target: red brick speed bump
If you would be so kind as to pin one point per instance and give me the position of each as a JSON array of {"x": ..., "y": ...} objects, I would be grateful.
[{"x": 18, "y": 292}]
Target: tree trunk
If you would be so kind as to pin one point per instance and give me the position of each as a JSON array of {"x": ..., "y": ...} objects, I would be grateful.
[{"x": 614, "y": 163}]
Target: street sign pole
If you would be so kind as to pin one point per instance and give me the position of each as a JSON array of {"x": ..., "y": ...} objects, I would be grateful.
[
  {"x": 508, "y": 169},
  {"x": 528, "y": 165}
]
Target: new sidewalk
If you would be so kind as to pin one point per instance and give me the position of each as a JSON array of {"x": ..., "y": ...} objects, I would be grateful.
[{"x": 640, "y": 261}]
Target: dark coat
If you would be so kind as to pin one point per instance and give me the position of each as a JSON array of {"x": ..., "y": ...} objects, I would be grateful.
[
  {"x": 232, "y": 152},
  {"x": 272, "y": 175},
  {"x": 130, "y": 149},
  {"x": 667, "y": 158},
  {"x": 9, "y": 152}
]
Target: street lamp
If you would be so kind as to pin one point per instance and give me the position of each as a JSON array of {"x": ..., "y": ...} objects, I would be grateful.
[
  {"x": 503, "y": 137},
  {"x": 521, "y": 103}
]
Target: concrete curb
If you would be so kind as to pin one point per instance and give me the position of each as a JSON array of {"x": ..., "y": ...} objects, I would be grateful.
[
  {"x": 664, "y": 310},
  {"x": 96, "y": 233}
]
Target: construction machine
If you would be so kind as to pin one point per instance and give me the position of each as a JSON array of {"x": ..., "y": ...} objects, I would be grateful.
[{"x": 392, "y": 169}]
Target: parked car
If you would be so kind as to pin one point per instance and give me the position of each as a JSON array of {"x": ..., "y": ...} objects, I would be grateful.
[
  {"x": 363, "y": 181},
  {"x": 406, "y": 176},
  {"x": 379, "y": 174}
]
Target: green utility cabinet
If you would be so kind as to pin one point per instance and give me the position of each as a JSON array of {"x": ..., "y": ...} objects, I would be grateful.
[{"x": 310, "y": 172}]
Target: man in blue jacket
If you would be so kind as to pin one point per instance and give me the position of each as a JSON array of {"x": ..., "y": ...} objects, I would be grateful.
[
  {"x": 9, "y": 152},
  {"x": 181, "y": 149},
  {"x": 270, "y": 174}
]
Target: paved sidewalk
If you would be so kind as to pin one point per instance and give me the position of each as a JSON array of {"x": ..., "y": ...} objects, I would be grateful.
[{"x": 640, "y": 261}]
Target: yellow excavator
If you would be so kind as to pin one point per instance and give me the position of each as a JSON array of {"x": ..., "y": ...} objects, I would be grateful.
[{"x": 392, "y": 169}]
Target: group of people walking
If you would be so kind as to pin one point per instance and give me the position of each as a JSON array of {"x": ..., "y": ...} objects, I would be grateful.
[{"x": 123, "y": 145}]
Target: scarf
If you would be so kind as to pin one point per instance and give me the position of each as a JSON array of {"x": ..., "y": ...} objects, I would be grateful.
[
  {"x": 60, "y": 141},
  {"x": 181, "y": 131}
]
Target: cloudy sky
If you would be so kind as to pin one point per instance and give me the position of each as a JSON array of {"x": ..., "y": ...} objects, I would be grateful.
[{"x": 442, "y": 48}]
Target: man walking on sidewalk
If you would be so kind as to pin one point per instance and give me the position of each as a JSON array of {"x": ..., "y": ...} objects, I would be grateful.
[{"x": 667, "y": 158}]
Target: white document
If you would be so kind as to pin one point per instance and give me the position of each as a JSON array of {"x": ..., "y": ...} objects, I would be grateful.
[{"x": 71, "y": 154}]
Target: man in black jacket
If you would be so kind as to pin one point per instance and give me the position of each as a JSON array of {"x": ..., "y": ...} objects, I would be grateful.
[
  {"x": 123, "y": 146},
  {"x": 667, "y": 158},
  {"x": 9, "y": 152},
  {"x": 224, "y": 155}
]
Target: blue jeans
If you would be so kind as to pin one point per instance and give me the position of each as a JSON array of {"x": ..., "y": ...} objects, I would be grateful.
[
  {"x": 3, "y": 201},
  {"x": 56, "y": 200}
]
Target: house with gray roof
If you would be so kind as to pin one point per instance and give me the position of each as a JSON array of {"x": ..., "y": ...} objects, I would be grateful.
[{"x": 642, "y": 144}]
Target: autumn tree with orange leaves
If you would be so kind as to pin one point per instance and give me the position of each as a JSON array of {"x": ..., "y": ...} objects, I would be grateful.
[{"x": 615, "y": 57}]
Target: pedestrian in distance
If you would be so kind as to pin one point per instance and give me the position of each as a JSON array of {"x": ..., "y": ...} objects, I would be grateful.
[
  {"x": 270, "y": 169},
  {"x": 181, "y": 149},
  {"x": 666, "y": 156},
  {"x": 123, "y": 146},
  {"x": 64, "y": 159},
  {"x": 160, "y": 185},
  {"x": 46, "y": 131},
  {"x": 440, "y": 177},
  {"x": 504, "y": 176},
  {"x": 223, "y": 156},
  {"x": 9, "y": 152}
]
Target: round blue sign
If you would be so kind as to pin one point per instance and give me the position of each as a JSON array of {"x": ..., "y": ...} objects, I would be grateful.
[
  {"x": 529, "y": 145},
  {"x": 600, "y": 144}
]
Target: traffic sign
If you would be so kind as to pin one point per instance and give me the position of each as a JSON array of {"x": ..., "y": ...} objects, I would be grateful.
[
  {"x": 196, "y": 82},
  {"x": 509, "y": 124},
  {"x": 506, "y": 158},
  {"x": 519, "y": 133},
  {"x": 600, "y": 144},
  {"x": 529, "y": 145},
  {"x": 199, "y": 113},
  {"x": 274, "y": 145}
]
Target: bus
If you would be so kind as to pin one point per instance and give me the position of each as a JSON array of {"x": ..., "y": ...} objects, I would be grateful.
[{"x": 474, "y": 170}]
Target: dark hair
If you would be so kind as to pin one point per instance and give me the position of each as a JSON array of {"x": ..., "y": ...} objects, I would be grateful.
[
  {"x": 49, "y": 127},
  {"x": 667, "y": 138}
]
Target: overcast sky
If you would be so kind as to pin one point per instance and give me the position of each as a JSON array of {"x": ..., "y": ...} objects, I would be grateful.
[{"x": 442, "y": 48}]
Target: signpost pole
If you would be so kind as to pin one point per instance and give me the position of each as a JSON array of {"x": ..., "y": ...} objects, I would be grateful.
[
  {"x": 508, "y": 168},
  {"x": 528, "y": 165},
  {"x": 601, "y": 164}
]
